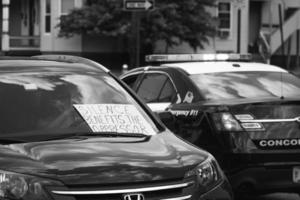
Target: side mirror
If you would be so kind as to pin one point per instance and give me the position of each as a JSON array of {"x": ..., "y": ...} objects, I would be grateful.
[
  {"x": 159, "y": 107},
  {"x": 167, "y": 118}
]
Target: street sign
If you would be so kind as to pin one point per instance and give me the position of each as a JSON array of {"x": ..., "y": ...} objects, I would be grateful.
[{"x": 138, "y": 5}]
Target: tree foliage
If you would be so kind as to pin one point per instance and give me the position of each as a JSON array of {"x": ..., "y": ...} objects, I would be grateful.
[{"x": 172, "y": 21}]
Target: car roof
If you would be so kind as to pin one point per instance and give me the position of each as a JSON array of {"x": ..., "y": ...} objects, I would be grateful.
[
  {"x": 213, "y": 67},
  {"x": 41, "y": 65},
  {"x": 49, "y": 63}
]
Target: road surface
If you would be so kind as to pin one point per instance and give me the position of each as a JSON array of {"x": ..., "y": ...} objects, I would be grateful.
[{"x": 275, "y": 196}]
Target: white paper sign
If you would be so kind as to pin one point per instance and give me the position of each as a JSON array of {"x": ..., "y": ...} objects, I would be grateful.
[{"x": 119, "y": 118}]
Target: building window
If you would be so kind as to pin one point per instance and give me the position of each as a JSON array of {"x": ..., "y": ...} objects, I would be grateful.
[
  {"x": 66, "y": 6},
  {"x": 224, "y": 16},
  {"x": 48, "y": 17}
]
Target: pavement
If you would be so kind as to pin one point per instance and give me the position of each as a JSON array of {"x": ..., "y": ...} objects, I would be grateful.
[{"x": 274, "y": 196}]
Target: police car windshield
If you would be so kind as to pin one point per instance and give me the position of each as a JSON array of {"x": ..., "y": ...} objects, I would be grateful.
[
  {"x": 250, "y": 84},
  {"x": 67, "y": 102}
]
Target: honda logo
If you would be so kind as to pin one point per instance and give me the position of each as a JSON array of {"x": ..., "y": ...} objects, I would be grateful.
[{"x": 133, "y": 197}]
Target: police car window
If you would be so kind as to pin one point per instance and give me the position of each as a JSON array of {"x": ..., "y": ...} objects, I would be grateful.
[
  {"x": 230, "y": 85},
  {"x": 167, "y": 93},
  {"x": 151, "y": 86},
  {"x": 130, "y": 80}
]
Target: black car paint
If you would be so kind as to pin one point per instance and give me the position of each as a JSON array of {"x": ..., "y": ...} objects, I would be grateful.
[
  {"x": 87, "y": 160},
  {"x": 248, "y": 166},
  {"x": 96, "y": 161},
  {"x": 155, "y": 118}
]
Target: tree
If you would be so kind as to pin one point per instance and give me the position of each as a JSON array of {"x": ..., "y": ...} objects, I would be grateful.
[
  {"x": 172, "y": 21},
  {"x": 177, "y": 21}
]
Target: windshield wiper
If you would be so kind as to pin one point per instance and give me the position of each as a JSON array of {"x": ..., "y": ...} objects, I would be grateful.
[
  {"x": 18, "y": 138},
  {"x": 11, "y": 141},
  {"x": 110, "y": 134},
  {"x": 81, "y": 135}
]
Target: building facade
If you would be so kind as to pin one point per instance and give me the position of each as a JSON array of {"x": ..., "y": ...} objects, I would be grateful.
[
  {"x": 32, "y": 26},
  {"x": 267, "y": 28}
]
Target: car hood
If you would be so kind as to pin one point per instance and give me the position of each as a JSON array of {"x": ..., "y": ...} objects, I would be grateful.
[
  {"x": 102, "y": 160},
  {"x": 240, "y": 101}
]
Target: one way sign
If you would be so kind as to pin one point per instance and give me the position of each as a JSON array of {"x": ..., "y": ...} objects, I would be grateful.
[{"x": 138, "y": 5}]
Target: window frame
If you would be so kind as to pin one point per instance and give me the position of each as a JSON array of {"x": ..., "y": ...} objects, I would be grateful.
[
  {"x": 46, "y": 16},
  {"x": 65, "y": 13},
  {"x": 162, "y": 89},
  {"x": 136, "y": 82},
  {"x": 229, "y": 29},
  {"x": 160, "y": 73}
]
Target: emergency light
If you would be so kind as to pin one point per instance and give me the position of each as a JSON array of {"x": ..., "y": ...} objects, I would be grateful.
[{"x": 197, "y": 57}]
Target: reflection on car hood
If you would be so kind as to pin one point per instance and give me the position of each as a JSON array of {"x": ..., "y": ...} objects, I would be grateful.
[{"x": 100, "y": 160}]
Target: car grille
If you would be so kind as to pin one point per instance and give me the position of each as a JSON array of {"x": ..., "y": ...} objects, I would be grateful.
[{"x": 170, "y": 191}]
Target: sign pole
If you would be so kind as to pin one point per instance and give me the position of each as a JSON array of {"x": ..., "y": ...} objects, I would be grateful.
[
  {"x": 137, "y": 7},
  {"x": 138, "y": 38},
  {"x": 136, "y": 22}
]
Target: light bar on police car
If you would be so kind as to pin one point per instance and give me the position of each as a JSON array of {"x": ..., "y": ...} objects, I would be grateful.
[{"x": 197, "y": 57}]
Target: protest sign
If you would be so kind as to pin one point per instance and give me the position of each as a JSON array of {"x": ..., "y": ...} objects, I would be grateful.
[{"x": 118, "y": 118}]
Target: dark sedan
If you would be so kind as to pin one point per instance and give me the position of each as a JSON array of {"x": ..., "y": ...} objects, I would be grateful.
[
  {"x": 71, "y": 130},
  {"x": 246, "y": 114}
]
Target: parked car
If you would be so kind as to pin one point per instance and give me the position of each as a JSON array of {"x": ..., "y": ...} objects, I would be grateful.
[
  {"x": 71, "y": 130},
  {"x": 246, "y": 114}
]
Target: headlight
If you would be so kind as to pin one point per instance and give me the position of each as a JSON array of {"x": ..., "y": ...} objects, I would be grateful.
[
  {"x": 208, "y": 174},
  {"x": 15, "y": 186}
]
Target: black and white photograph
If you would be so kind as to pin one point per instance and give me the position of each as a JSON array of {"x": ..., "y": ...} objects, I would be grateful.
[{"x": 150, "y": 100}]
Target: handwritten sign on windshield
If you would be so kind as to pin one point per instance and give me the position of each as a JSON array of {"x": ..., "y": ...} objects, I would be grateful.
[{"x": 118, "y": 118}]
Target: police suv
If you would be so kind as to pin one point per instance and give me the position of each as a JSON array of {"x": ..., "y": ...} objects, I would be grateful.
[{"x": 246, "y": 114}]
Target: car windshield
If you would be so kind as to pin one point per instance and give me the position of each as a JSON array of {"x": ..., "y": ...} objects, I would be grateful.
[
  {"x": 233, "y": 85},
  {"x": 39, "y": 104}
]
